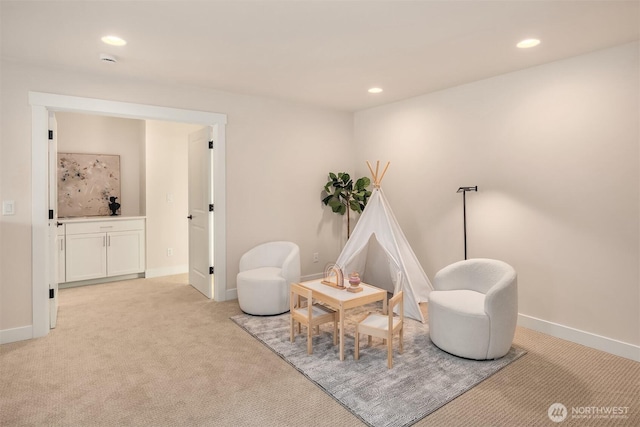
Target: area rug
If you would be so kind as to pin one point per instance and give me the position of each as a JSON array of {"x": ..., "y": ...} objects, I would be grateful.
[{"x": 422, "y": 379}]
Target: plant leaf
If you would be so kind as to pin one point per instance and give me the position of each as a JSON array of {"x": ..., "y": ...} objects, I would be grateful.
[
  {"x": 363, "y": 183},
  {"x": 343, "y": 194},
  {"x": 337, "y": 206},
  {"x": 355, "y": 206}
]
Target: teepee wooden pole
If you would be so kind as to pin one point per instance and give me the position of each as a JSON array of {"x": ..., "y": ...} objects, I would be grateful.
[
  {"x": 373, "y": 175},
  {"x": 377, "y": 177},
  {"x": 383, "y": 172}
]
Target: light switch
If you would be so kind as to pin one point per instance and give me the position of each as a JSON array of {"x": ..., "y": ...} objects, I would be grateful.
[
  {"x": 8, "y": 207},
  {"x": 169, "y": 198}
]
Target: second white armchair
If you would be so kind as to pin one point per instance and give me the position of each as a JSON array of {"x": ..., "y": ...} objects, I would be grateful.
[
  {"x": 266, "y": 272},
  {"x": 473, "y": 310}
]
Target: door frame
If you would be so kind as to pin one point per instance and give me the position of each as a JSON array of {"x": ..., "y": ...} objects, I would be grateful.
[
  {"x": 41, "y": 105},
  {"x": 54, "y": 251}
]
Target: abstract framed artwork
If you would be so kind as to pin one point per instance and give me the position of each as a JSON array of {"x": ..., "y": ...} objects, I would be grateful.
[{"x": 86, "y": 182}]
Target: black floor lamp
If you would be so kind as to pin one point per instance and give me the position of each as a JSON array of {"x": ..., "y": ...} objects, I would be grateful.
[{"x": 464, "y": 190}]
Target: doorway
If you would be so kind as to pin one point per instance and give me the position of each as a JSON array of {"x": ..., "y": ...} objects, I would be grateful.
[{"x": 41, "y": 105}]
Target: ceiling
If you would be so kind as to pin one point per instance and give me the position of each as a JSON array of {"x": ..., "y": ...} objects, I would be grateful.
[{"x": 324, "y": 53}]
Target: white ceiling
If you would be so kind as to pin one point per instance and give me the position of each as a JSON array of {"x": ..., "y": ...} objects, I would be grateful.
[{"x": 326, "y": 53}]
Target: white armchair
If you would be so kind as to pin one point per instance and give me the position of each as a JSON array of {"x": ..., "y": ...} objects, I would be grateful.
[
  {"x": 266, "y": 272},
  {"x": 473, "y": 309}
]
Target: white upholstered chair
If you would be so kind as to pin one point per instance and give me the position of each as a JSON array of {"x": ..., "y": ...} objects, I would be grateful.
[
  {"x": 473, "y": 309},
  {"x": 266, "y": 272}
]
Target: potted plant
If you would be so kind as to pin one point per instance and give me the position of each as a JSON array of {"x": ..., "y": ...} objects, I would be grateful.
[{"x": 343, "y": 195}]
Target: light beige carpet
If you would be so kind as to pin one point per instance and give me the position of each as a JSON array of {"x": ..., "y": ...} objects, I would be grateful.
[{"x": 155, "y": 352}]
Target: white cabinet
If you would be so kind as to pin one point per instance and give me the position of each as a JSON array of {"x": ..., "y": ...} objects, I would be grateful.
[
  {"x": 86, "y": 256},
  {"x": 125, "y": 252},
  {"x": 98, "y": 249},
  {"x": 61, "y": 248}
]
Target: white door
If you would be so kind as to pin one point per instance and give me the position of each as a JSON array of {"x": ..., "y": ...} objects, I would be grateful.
[
  {"x": 53, "y": 221},
  {"x": 200, "y": 217}
]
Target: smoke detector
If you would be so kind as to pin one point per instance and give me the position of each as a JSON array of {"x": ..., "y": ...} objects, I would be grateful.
[{"x": 105, "y": 57}]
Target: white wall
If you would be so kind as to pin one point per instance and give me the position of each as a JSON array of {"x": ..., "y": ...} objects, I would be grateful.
[
  {"x": 278, "y": 155},
  {"x": 167, "y": 197},
  {"x": 90, "y": 134},
  {"x": 555, "y": 152}
]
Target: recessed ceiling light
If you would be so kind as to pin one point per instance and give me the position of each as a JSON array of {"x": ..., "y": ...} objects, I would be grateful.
[
  {"x": 375, "y": 90},
  {"x": 527, "y": 43},
  {"x": 114, "y": 40}
]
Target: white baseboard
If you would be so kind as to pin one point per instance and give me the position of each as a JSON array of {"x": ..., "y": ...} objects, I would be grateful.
[
  {"x": 609, "y": 345},
  {"x": 312, "y": 277},
  {"x": 166, "y": 271},
  {"x": 231, "y": 294},
  {"x": 100, "y": 280},
  {"x": 16, "y": 334}
]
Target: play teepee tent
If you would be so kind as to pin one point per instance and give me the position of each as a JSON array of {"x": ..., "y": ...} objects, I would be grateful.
[{"x": 378, "y": 241}]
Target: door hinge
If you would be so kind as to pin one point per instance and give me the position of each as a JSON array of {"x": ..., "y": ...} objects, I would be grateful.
[
  {"x": 52, "y": 293},
  {"x": 50, "y": 135},
  {"x": 211, "y": 207},
  {"x": 211, "y": 145},
  {"x": 50, "y": 213},
  {"x": 210, "y": 270}
]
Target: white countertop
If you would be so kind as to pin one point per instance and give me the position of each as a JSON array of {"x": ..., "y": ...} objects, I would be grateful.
[{"x": 97, "y": 218}]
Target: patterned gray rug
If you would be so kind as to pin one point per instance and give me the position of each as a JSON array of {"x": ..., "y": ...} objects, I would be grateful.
[{"x": 422, "y": 379}]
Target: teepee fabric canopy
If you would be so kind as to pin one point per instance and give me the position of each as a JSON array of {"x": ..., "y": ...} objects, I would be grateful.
[{"x": 377, "y": 224}]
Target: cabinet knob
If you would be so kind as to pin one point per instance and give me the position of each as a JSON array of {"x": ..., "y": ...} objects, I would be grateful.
[{"x": 190, "y": 217}]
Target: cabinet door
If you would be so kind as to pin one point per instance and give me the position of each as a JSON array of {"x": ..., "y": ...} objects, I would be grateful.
[
  {"x": 61, "y": 259},
  {"x": 125, "y": 252},
  {"x": 86, "y": 256}
]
